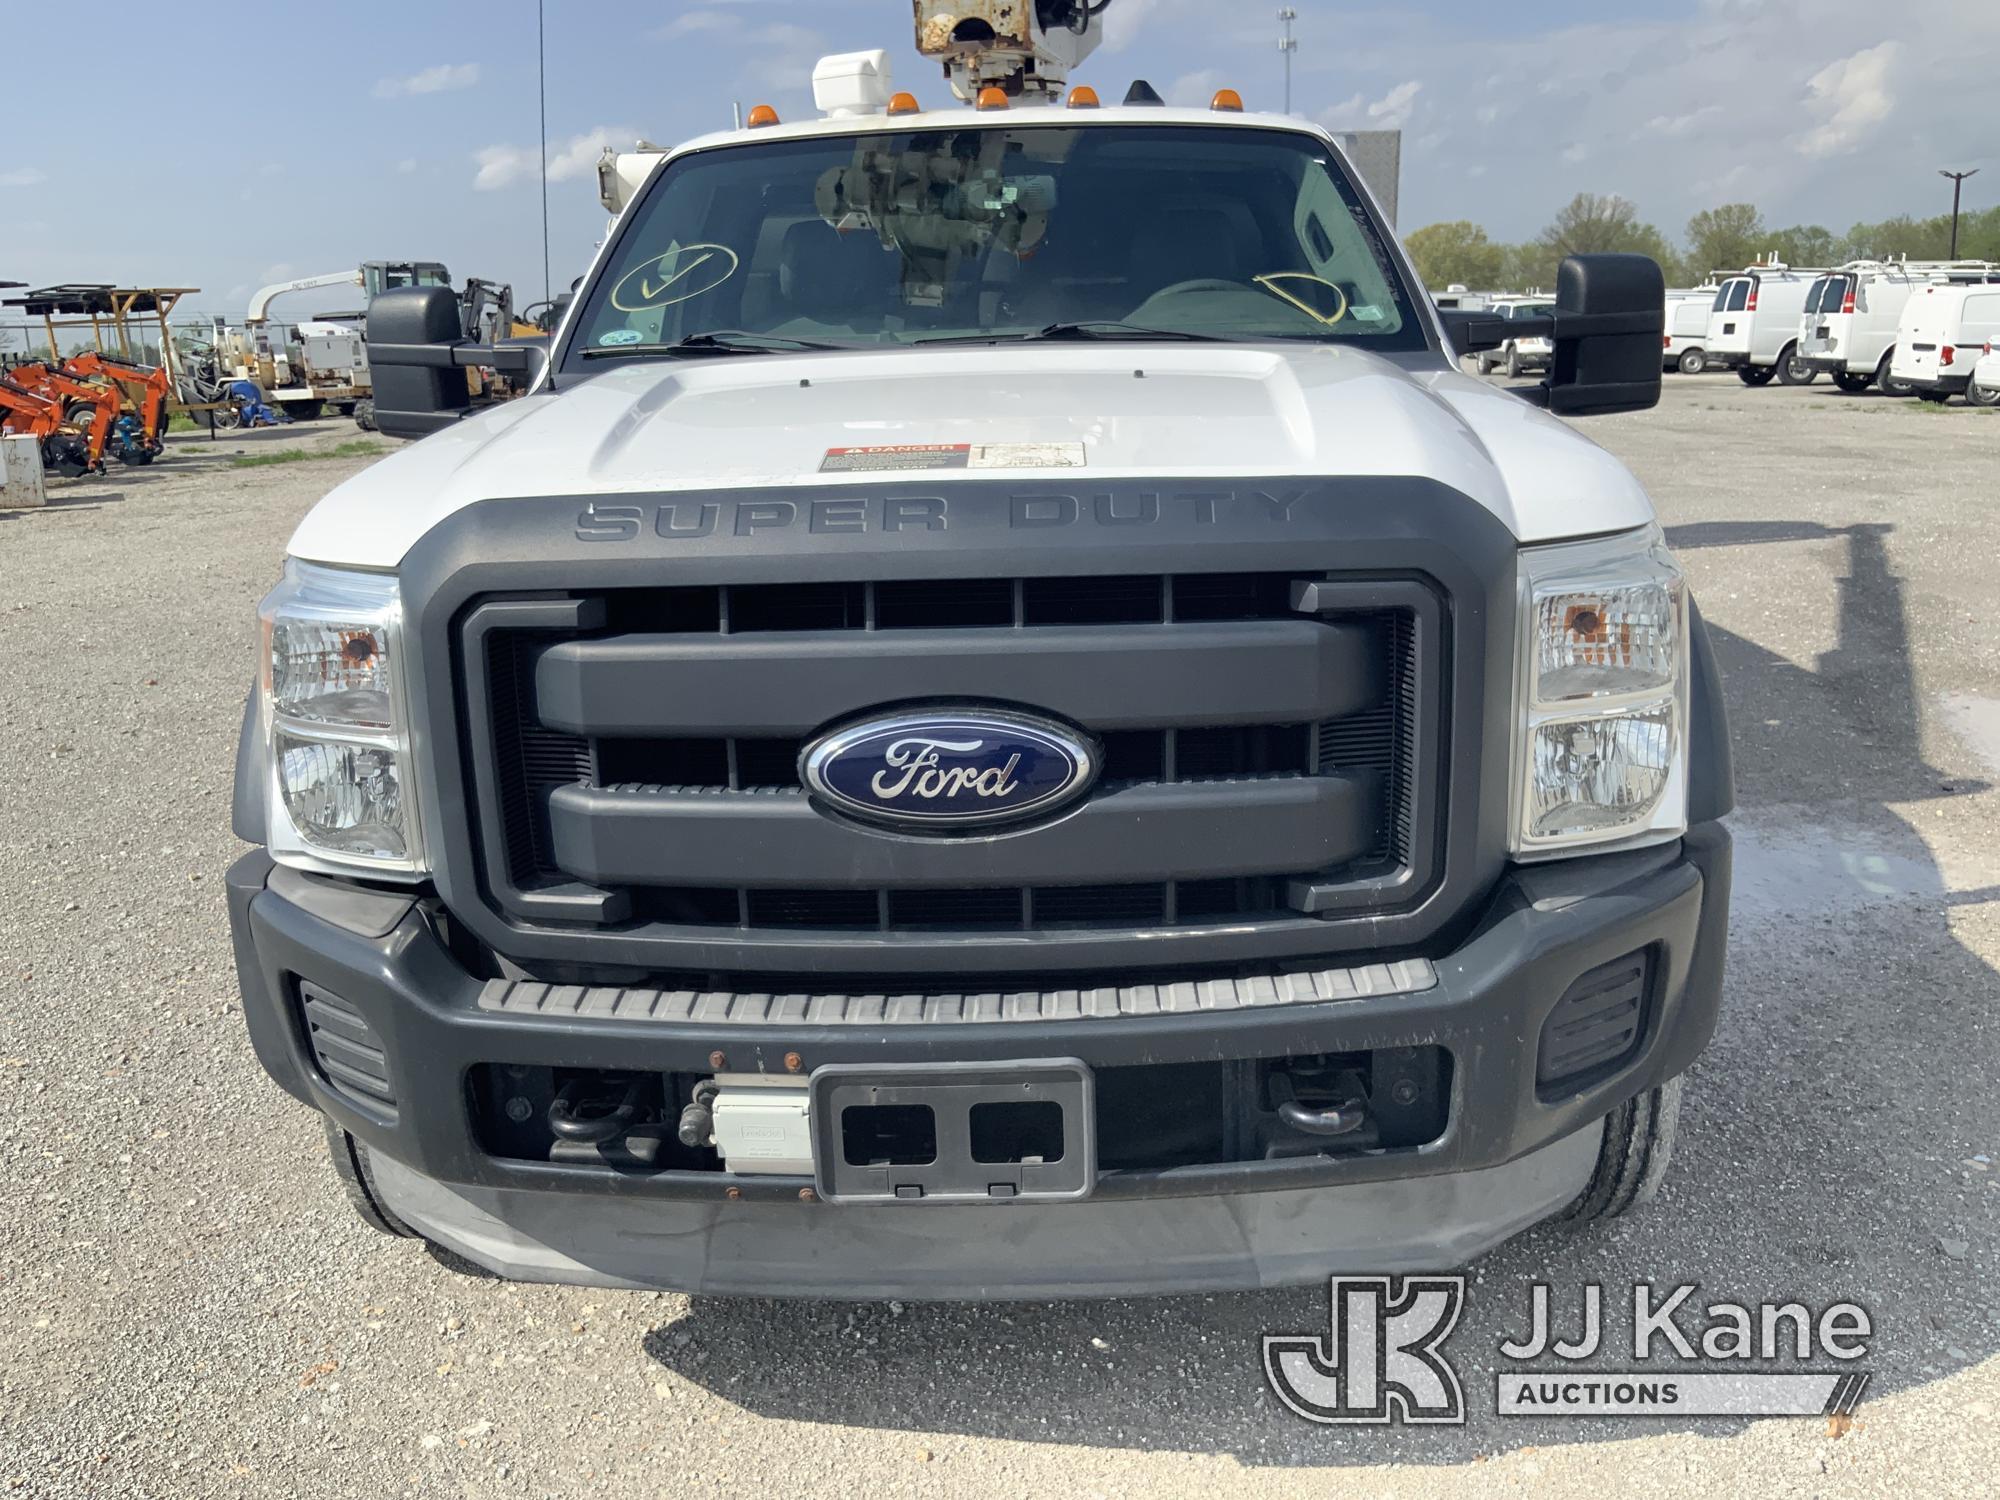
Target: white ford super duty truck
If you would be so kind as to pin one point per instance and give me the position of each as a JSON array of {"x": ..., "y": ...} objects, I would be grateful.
[{"x": 1001, "y": 720}]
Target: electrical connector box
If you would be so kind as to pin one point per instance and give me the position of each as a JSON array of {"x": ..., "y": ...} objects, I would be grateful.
[{"x": 763, "y": 1125}]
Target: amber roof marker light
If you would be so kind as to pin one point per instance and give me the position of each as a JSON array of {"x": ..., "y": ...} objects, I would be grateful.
[
  {"x": 1083, "y": 96},
  {"x": 993, "y": 98},
  {"x": 762, "y": 116},
  {"x": 905, "y": 104},
  {"x": 1227, "y": 100}
]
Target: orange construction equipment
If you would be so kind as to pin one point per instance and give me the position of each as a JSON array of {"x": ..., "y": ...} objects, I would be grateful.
[
  {"x": 153, "y": 390},
  {"x": 28, "y": 412},
  {"x": 85, "y": 404}
]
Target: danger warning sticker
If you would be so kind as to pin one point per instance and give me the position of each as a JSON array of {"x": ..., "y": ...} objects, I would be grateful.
[{"x": 906, "y": 457}]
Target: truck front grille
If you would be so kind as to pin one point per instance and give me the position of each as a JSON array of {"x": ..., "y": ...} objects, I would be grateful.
[{"x": 1371, "y": 748}]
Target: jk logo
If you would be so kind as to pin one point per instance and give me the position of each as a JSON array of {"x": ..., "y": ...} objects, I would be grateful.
[{"x": 1381, "y": 1360}]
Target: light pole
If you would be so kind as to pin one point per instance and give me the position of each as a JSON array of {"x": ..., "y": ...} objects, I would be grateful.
[
  {"x": 1957, "y": 186},
  {"x": 1288, "y": 44}
]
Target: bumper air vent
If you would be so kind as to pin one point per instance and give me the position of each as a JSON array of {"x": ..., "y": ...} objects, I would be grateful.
[{"x": 1596, "y": 1025}]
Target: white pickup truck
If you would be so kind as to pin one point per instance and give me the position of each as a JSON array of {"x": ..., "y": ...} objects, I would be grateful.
[{"x": 1001, "y": 721}]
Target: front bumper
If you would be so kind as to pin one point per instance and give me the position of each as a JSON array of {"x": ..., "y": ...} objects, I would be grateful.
[{"x": 1510, "y": 1153}]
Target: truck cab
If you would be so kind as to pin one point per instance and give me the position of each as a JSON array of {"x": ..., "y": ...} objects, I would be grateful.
[{"x": 1001, "y": 720}]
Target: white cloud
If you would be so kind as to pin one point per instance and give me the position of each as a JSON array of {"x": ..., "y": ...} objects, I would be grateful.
[
  {"x": 1194, "y": 89},
  {"x": 407, "y": 165},
  {"x": 438, "y": 80},
  {"x": 1575, "y": 152},
  {"x": 1124, "y": 21},
  {"x": 502, "y": 166},
  {"x": 1853, "y": 97},
  {"x": 23, "y": 177},
  {"x": 1678, "y": 125},
  {"x": 1391, "y": 112}
]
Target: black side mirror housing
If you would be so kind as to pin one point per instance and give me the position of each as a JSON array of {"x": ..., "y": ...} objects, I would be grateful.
[
  {"x": 417, "y": 358},
  {"x": 1611, "y": 313}
]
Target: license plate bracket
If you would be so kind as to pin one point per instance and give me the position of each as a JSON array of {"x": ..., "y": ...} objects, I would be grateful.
[{"x": 953, "y": 1132}]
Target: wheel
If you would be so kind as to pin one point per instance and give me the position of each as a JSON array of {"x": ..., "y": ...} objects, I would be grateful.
[
  {"x": 1482, "y": 364},
  {"x": 1982, "y": 395},
  {"x": 1513, "y": 364},
  {"x": 357, "y": 1179},
  {"x": 226, "y": 418},
  {"x": 66, "y": 454},
  {"x": 305, "y": 411},
  {"x": 1851, "y": 382},
  {"x": 1693, "y": 361},
  {"x": 1638, "y": 1146},
  {"x": 1757, "y": 374},
  {"x": 1886, "y": 382},
  {"x": 1936, "y": 395},
  {"x": 1794, "y": 371},
  {"x": 364, "y": 415}
]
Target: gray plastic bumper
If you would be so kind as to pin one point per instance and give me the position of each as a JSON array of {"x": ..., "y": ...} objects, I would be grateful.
[{"x": 1097, "y": 1248}]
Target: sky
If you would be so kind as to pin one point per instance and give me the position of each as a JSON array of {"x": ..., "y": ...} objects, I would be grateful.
[{"x": 380, "y": 131}]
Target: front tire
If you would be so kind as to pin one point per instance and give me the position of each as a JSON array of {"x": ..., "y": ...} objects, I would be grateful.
[
  {"x": 1794, "y": 371},
  {"x": 1513, "y": 365},
  {"x": 1757, "y": 374},
  {"x": 1982, "y": 395},
  {"x": 357, "y": 1179},
  {"x": 364, "y": 415},
  {"x": 1852, "y": 383},
  {"x": 1633, "y": 1159},
  {"x": 1693, "y": 361}
]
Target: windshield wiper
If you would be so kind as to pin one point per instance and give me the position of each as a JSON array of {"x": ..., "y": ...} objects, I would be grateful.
[
  {"x": 717, "y": 341},
  {"x": 1106, "y": 329}
]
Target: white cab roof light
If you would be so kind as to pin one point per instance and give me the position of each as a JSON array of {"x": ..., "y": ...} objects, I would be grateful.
[{"x": 852, "y": 83}]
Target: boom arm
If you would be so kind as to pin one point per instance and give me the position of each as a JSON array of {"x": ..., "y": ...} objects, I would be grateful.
[{"x": 261, "y": 303}]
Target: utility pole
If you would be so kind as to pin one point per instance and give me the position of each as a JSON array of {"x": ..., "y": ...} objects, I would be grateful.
[
  {"x": 1957, "y": 186},
  {"x": 1288, "y": 44}
]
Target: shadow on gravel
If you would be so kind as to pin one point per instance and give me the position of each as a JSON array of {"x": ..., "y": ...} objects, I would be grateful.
[
  {"x": 1821, "y": 1142},
  {"x": 66, "y": 498}
]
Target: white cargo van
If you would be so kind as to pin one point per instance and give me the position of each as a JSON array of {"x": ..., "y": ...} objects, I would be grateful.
[
  {"x": 1753, "y": 325},
  {"x": 1942, "y": 334},
  {"x": 1686, "y": 345},
  {"x": 1848, "y": 328}
]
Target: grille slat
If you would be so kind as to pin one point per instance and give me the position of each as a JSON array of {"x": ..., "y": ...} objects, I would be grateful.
[{"x": 1381, "y": 740}]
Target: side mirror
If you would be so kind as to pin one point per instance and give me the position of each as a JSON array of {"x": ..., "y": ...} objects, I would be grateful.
[
  {"x": 1611, "y": 312},
  {"x": 418, "y": 355}
]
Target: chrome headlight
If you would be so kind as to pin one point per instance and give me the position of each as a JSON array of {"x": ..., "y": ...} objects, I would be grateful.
[
  {"x": 1603, "y": 696},
  {"x": 342, "y": 793}
]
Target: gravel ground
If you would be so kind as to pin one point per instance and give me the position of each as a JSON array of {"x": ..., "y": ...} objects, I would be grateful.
[{"x": 188, "y": 1308}]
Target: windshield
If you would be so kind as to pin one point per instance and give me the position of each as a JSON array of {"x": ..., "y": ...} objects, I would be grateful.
[{"x": 973, "y": 232}]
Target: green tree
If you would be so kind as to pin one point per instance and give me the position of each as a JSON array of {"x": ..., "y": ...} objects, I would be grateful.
[
  {"x": 1590, "y": 223},
  {"x": 1456, "y": 252},
  {"x": 1726, "y": 238},
  {"x": 1807, "y": 245}
]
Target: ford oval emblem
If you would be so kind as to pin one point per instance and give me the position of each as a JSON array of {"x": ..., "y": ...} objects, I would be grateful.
[{"x": 950, "y": 770}]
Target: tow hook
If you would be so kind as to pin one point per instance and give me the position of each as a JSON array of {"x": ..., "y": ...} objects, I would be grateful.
[
  {"x": 575, "y": 1116},
  {"x": 1335, "y": 1119},
  {"x": 1340, "y": 1109}
]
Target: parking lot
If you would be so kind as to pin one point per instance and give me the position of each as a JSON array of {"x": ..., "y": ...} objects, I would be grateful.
[{"x": 188, "y": 1307}]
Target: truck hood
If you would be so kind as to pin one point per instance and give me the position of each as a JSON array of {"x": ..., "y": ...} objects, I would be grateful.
[{"x": 1035, "y": 411}]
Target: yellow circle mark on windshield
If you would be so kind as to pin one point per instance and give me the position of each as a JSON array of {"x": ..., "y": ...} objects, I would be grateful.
[
  {"x": 679, "y": 275},
  {"x": 1271, "y": 282}
]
